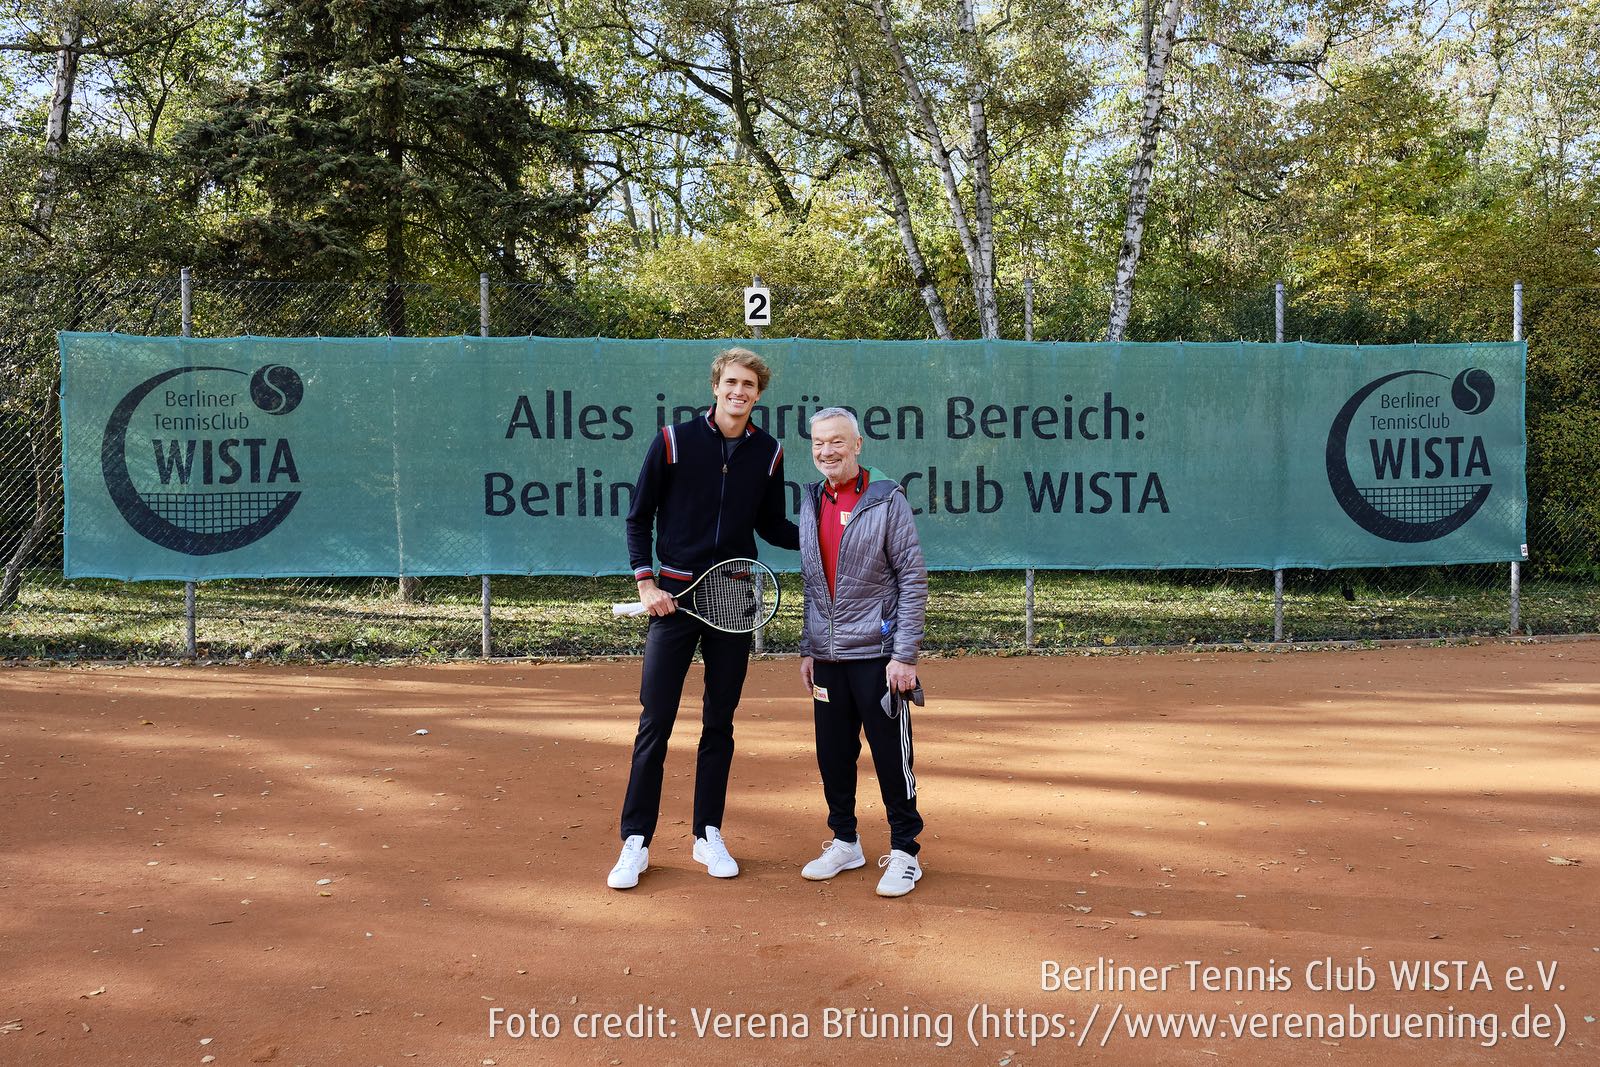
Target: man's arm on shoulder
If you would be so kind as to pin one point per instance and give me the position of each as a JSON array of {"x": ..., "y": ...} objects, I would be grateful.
[{"x": 772, "y": 524}]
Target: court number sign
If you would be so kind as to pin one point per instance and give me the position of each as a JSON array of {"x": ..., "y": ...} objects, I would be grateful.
[{"x": 757, "y": 306}]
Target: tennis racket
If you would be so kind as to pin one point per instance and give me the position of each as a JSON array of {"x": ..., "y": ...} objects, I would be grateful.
[{"x": 737, "y": 596}]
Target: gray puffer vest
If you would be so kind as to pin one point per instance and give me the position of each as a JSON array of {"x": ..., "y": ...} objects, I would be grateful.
[{"x": 881, "y": 585}]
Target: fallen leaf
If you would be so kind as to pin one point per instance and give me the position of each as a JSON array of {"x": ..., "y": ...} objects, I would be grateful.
[{"x": 1562, "y": 861}]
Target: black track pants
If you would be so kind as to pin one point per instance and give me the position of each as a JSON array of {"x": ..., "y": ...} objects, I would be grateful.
[
  {"x": 855, "y": 703},
  {"x": 668, "y": 651}
]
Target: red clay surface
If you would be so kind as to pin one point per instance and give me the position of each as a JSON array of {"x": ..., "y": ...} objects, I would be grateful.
[{"x": 271, "y": 865}]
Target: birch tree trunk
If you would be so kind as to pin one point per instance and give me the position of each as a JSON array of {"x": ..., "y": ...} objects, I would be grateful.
[
  {"x": 981, "y": 269},
  {"x": 58, "y": 125},
  {"x": 982, "y": 186},
  {"x": 898, "y": 200},
  {"x": 1144, "y": 161}
]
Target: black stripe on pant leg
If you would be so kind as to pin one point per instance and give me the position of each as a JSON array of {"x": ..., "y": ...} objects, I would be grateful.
[{"x": 891, "y": 755}]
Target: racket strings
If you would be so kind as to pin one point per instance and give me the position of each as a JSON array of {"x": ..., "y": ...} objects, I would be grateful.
[{"x": 736, "y": 596}]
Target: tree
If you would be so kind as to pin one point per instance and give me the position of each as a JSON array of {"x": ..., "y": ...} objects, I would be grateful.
[
  {"x": 37, "y": 234},
  {"x": 1157, "y": 51},
  {"x": 392, "y": 139}
]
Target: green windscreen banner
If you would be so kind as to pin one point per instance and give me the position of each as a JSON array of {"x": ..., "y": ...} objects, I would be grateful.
[{"x": 257, "y": 457}]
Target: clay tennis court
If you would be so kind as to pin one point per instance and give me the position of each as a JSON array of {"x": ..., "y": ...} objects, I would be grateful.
[{"x": 272, "y": 864}]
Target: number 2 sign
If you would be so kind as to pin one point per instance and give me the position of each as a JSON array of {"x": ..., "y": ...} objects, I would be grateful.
[{"x": 757, "y": 306}]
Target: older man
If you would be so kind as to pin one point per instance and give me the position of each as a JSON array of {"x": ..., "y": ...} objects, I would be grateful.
[{"x": 866, "y": 594}]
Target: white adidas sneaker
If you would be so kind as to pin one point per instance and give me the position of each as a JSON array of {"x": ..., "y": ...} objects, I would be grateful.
[
  {"x": 901, "y": 876},
  {"x": 836, "y": 856},
  {"x": 630, "y": 865},
  {"x": 713, "y": 852}
]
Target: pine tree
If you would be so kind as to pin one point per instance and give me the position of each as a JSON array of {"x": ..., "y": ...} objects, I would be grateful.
[{"x": 384, "y": 136}]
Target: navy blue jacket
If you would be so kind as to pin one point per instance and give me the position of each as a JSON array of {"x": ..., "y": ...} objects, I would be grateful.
[{"x": 706, "y": 500}]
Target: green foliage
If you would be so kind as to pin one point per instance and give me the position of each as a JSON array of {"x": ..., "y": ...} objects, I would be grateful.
[
  {"x": 1397, "y": 173},
  {"x": 391, "y": 139},
  {"x": 1564, "y": 411}
]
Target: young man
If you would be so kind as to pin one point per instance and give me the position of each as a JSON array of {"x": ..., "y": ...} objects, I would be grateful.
[
  {"x": 707, "y": 487},
  {"x": 866, "y": 598}
]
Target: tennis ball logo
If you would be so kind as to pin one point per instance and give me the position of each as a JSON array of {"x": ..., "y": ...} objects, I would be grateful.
[
  {"x": 1404, "y": 466},
  {"x": 207, "y": 479},
  {"x": 1473, "y": 391},
  {"x": 276, "y": 389}
]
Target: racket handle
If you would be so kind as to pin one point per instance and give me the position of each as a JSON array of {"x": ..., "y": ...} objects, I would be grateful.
[{"x": 633, "y": 607}]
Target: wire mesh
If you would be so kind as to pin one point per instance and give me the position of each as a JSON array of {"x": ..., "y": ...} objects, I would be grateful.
[{"x": 44, "y": 615}]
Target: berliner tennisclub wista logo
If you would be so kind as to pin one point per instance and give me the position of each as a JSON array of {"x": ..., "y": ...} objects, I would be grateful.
[
  {"x": 1403, "y": 458},
  {"x": 199, "y": 460}
]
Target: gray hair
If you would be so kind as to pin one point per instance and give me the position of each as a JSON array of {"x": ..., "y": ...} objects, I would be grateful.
[{"x": 838, "y": 413}]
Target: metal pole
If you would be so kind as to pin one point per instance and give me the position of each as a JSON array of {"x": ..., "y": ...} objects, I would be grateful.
[
  {"x": 1277, "y": 604},
  {"x": 1027, "y": 308},
  {"x": 1516, "y": 597},
  {"x": 483, "y": 331},
  {"x": 1516, "y": 566},
  {"x": 1277, "y": 573},
  {"x": 1027, "y": 575},
  {"x": 186, "y": 301},
  {"x": 1027, "y": 593},
  {"x": 760, "y": 644}
]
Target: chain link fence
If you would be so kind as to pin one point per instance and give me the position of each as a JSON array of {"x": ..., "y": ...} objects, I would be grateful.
[{"x": 43, "y": 615}]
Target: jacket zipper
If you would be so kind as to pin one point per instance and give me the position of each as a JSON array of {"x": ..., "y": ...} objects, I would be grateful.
[
  {"x": 722, "y": 486},
  {"x": 831, "y": 637}
]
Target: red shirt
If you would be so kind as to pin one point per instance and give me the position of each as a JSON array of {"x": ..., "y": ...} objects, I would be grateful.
[{"x": 833, "y": 516}]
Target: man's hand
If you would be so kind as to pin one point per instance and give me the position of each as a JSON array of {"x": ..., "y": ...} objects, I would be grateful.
[
  {"x": 807, "y": 667},
  {"x": 655, "y": 600},
  {"x": 901, "y": 676}
]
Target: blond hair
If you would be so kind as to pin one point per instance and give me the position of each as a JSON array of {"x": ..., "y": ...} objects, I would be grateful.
[{"x": 744, "y": 358}]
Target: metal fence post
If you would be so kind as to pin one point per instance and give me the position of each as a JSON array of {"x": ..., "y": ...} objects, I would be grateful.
[
  {"x": 483, "y": 331},
  {"x": 1277, "y": 574},
  {"x": 186, "y": 303},
  {"x": 1277, "y": 604},
  {"x": 1028, "y": 575},
  {"x": 1516, "y": 567},
  {"x": 1277, "y": 309},
  {"x": 760, "y": 641}
]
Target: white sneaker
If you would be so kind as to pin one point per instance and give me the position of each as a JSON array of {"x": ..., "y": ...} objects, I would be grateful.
[
  {"x": 836, "y": 856},
  {"x": 630, "y": 865},
  {"x": 711, "y": 851},
  {"x": 901, "y": 876}
]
